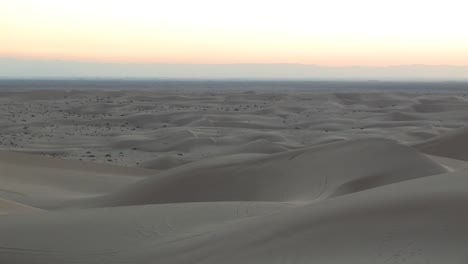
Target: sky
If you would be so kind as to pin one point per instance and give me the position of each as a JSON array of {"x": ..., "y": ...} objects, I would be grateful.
[{"x": 328, "y": 33}]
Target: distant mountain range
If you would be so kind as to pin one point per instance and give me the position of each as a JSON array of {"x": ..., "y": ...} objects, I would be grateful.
[{"x": 32, "y": 68}]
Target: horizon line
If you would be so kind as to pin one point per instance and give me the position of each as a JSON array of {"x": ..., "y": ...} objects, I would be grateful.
[
  {"x": 236, "y": 79},
  {"x": 103, "y": 62}
]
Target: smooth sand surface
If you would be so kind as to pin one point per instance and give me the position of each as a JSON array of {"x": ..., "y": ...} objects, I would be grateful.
[{"x": 233, "y": 176}]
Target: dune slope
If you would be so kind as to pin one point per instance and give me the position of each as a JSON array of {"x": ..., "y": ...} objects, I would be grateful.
[
  {"x": 301, "y": 175},
  {"x": 38, "y": 181},
  {"x": 107, "y": 235},
  {"x": 451, "y": 145},
  {"x": 417, "y": 221}
]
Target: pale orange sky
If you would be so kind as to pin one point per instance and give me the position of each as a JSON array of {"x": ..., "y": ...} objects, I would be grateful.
[{"x": 322, "y": 32}]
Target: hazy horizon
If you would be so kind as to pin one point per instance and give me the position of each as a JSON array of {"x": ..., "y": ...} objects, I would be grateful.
[{"x": 31, "y": 68}]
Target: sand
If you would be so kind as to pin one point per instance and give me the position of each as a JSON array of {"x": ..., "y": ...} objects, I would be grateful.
[{"x": 233, "y": 176}]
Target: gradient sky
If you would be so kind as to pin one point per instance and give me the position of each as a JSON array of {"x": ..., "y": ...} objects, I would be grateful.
[{"x": 320, "y": 32}]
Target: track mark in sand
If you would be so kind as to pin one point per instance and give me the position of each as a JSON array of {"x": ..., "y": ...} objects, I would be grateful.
[
  {"x": 449, "y": 169},
  {"x": 214, "y": 140},
  {"x": 296, "y": 155},
  {"x": 90, "y": 253},
  {"x": 27, "y": 249},
  {"x": 247, "y": 207},
  {"x": 323, "y": 183},
  {"x": 195, "y": 135},
  {"x": 146, "y": 230},
  {"x": 81, "y": 257},
  {"x": 242, "y": 209},
  {"x": 168, "y": 224},
  {"x": 393, "y": 250},
  {"x": 12, "y": 192},
  {"x": 237, "y": 209},
  {"x": 188, "y": 236}
]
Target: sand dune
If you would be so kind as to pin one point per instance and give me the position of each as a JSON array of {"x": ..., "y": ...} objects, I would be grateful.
[
  {"x": 38, "y": 181},
  {"x": 406, "y": 222},
  {"x": 102, "y": 235},
  {"x": 236, "y": 176},
  {"x": 293, "y": 176},
  {"x": 451, "y": 145},
  {"x": 415, "y": 221},
  {"x": 137, "y": 127}
]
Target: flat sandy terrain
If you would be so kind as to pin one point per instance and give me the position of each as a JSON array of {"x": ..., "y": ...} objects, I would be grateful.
[{"x": 234, "y": 176}]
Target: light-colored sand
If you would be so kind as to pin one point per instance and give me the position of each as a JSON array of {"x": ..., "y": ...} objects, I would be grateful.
[{"x": 232, "y": 177}]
